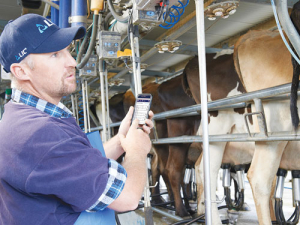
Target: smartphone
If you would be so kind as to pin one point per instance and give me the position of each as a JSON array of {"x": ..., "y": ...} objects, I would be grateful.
[{"x": 142, "y": 107}]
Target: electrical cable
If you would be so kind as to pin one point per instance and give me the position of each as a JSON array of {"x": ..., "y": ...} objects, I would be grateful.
[{"x": 115, "y": 14}]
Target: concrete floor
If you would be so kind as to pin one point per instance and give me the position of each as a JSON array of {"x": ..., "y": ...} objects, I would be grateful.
[{"x": 244, "y": 217}]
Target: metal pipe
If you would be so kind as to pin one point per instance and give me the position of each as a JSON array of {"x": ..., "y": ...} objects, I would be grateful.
[
  {"x": 55, "y": 13},
  {"x": 177, "y": 218},
  {"x": 73, "y": 105},
  {"x": 87, "y": 106},
  {"x": 84, "y": 107},
  {"x": 138, "y": 63},
  {"x": 104, "y": 137},
  {"x": 204, "y": 109},
  {"x": 246, "y": 97},
  {"x": 107, "y": 105},
  {"x": 64, "y": 13},
  {"x": 78, "y": 12},
  {"x": 46, "y": 10},
  {"x": 76, "y": 108},
  {"x": 244, "y": 137},
  {"x": 51, "y": 3},
  {"x": 287, "y": 24}
]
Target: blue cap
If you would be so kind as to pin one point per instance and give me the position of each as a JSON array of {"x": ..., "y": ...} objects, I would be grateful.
[{"x": 32, "y": 33}]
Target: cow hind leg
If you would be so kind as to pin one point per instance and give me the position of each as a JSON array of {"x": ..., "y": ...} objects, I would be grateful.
[{"x": 262, "y": 171}]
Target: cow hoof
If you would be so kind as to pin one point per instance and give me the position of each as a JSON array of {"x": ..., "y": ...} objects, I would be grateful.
[{"x": 245, "y": 207}]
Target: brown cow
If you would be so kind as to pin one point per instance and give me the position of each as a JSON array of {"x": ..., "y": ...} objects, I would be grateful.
[
  {"x": 161, "y": 151},
  {"x": 173, "y": 96}
]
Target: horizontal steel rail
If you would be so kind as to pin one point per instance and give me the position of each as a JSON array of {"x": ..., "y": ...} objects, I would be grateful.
[
  {"x": 240, "y": 101},
  {"x": 238, "y": 137}
]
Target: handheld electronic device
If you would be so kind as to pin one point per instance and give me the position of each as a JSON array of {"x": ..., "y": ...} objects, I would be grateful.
[{"x": 142, "y": 107}]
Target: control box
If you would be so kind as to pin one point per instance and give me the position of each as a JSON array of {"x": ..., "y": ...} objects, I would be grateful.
[
  {"x": 146, "y": 12},
  {"x": 109, "y": 44},
  {"x": 90, "y": 68}
]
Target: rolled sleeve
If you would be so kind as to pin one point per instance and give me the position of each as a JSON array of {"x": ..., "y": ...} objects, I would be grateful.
[{"x": 116, "y": 180}]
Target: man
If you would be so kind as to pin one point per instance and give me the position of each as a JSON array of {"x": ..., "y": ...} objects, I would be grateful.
[{"x": 49, "y": 172}]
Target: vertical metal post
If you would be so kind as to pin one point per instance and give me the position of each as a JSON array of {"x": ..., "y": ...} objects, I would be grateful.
[
  {"x": 87, "y": 106},
  {"x": 107, "y": 106},
  {"x": 84, "y": 106},
  {"x": 76, "y": 108},
  {"x": 136, "y": 68},
  {"x": 204, "y": 111},
  {"x": 73, "y": 105},
  {"x": 104, "y": 139}
]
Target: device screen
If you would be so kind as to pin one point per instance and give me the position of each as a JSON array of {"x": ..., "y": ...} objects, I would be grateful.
[{"x": 142, "y": 107}]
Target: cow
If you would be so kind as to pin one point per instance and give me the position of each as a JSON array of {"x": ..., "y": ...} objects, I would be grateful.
[
  {"x": 172, "y": 96},
  {"x": 262, "y": 61},
  {"x": 222, "y": 82},
  {"x": 161, "y": 152}
]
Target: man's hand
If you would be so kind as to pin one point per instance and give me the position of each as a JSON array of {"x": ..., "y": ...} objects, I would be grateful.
[{"x": 125, "y": 124}]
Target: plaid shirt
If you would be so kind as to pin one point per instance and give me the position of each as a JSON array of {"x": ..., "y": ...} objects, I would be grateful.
[{"x": 117, "y": 174}]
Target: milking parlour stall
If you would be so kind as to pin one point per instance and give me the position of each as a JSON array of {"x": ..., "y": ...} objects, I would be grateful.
[{"x": 222, "y": 80}]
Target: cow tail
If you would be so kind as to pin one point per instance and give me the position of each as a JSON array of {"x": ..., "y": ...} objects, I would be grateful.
[
  {"x": 296, "y": 71},
  {"x": 294, "y": 95}
]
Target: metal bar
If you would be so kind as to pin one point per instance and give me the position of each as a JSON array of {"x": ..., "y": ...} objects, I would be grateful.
[
  {"x": 87, "y": 106},
  {"x": 204, "y": 109},
  {"x": 177, "y": 218},
  {"x": 246, "y": 97},
  {"x": 76, "y": 103},
  {"x": 73, "y": 105},
  {"x": 104, "y": 139},
  {"x": 107, "y": 105},
  {"x": 287, "y": 24},
  {"x": 84, "y": 106},
  {"x": 241, "y": 137}
]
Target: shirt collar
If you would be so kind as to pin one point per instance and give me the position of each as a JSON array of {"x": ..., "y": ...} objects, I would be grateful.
[{"x": 58, "y": 111}]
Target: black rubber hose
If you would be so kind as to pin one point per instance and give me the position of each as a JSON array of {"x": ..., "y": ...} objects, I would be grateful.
[
  {"x": 106, "y": 20},
  {"x": 82, "y": 47},
  {"x": 92, "y": 43},
  {"x": 115, "y": 14}
]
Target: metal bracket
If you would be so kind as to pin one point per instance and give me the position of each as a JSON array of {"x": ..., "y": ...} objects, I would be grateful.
[
  {"x": 260, "y": 118},
  {"x": 77, "y": 19}
]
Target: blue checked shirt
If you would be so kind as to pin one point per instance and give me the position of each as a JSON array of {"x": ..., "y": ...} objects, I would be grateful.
[{"x": 117, "y": 174}]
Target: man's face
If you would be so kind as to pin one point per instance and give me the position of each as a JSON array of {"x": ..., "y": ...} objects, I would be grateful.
[{"x": 53, "y": 75}]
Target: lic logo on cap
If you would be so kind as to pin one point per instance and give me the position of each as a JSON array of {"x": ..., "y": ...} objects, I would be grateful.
[{"x": 42, "y": 28}]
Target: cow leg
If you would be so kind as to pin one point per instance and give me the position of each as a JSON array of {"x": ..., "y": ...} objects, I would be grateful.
[
  {"x": 175, "y": 166},
  {"x": 262, "y": 171},
  {"x": 216, "y": 154},
  {"x": 162, "y": 152}
]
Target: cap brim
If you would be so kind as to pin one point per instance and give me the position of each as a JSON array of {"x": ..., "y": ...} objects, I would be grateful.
[{"x": 60, "y": 39}]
